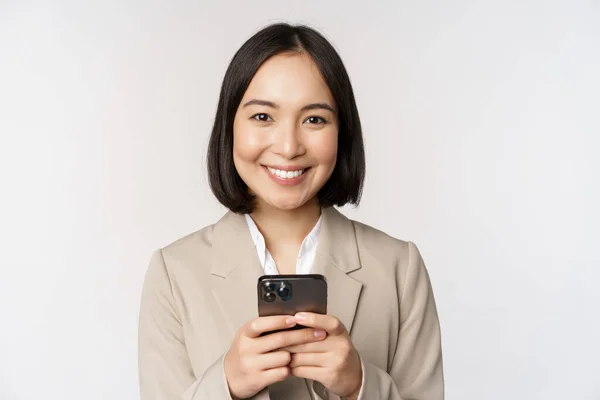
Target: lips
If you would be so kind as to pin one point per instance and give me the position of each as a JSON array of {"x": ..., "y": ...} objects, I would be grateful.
[{"x": 286, "y": 173}]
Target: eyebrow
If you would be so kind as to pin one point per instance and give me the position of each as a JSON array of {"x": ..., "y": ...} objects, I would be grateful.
[{"x": 312, "y": 106}]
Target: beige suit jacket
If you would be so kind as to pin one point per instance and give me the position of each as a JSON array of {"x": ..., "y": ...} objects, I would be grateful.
[{"x": 201, "y": 289}]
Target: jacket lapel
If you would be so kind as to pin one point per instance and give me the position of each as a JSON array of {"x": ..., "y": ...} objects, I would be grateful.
[
  {"x": 235, "y": 261},
  {"x": 337, "y": 255}
]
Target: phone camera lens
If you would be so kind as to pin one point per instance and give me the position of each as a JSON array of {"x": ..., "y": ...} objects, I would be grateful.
[
  {"x": 284, "y": 291},
  {"x": 269, "y": 297}
]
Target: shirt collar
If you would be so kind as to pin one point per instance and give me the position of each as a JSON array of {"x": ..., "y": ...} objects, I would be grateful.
[{"x": 308, "y": 247}]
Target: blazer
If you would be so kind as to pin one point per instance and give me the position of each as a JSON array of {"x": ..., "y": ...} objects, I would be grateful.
[{"x": 201, "y": 289}]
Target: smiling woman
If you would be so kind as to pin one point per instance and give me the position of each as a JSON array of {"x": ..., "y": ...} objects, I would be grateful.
[
  {"x": 286, "y": 89},
  {"x": 286, "y": 147}
]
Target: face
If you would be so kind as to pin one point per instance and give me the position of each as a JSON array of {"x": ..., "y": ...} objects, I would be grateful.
[{"x": 285, "y": 133}]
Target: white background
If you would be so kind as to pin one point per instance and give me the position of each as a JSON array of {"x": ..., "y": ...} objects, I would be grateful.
[{"x": 481, "y": 122}]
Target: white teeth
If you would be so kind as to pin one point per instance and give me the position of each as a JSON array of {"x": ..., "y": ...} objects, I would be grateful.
[{"x": 285, "y": 174}]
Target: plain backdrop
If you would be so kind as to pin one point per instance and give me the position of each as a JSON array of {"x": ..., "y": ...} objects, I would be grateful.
[{"x": 481, "y": 123}]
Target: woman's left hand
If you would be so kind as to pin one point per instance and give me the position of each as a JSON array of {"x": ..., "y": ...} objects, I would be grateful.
[{"x": 333, "y": 361}]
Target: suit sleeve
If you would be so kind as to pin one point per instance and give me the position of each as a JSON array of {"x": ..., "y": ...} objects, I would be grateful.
[
  {"x": 164, "y": 366},
  {"x": 416, "y": 371}
]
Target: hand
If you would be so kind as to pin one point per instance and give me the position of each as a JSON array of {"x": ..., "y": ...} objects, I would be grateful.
[
  {"x": 334, "y": 362},
  {"x": 254, "y": 362}
]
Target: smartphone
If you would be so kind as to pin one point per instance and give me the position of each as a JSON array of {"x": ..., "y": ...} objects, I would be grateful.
[{"x": 290, "y": 294}]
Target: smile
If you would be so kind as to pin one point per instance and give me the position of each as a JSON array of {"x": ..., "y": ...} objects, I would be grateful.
[{"x": 286, "y": 174}]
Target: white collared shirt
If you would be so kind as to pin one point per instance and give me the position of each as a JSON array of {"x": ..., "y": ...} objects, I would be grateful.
[{"x": 306, "y": 256}]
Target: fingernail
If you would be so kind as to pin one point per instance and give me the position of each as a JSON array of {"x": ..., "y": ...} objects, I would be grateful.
[
  {"x": 290, "y": 321},
  {"x": 300, "y": 317},
  {"x": 319, "y": 333}
]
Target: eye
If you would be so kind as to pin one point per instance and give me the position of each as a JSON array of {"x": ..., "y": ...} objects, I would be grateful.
[
  {"x": 315, "y": 120},
  {"x": 262, "y": 117}
]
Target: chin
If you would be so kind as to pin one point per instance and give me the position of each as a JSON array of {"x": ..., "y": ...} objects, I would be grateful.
[{"x": 286, "y": 204}]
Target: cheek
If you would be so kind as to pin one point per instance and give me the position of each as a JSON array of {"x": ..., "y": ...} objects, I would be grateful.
[
  {"x": 247, "y": 144},
  {"x": 325, "y": 148}
]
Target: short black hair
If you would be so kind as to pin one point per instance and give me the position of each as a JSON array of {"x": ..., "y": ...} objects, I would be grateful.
[{"x": 346, "y": 181}]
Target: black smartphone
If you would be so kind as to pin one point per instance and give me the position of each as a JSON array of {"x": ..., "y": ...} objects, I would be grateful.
[{"x": 290, "y": 294}]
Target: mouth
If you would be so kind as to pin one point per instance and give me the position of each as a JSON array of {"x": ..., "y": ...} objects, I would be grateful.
[{"x": 287, "y": 173}]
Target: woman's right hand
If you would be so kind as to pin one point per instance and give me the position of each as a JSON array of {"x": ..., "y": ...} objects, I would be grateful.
[{"x": 254, "y": 362}]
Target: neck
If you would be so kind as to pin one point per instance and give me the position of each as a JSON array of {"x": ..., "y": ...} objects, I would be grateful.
[{"x": 286, "y": 226}]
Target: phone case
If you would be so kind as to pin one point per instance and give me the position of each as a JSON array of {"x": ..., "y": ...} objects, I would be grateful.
[{"x": 290, "y": 294}]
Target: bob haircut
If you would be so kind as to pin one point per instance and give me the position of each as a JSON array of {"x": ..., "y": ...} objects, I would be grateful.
[{"x": 346, "y": 181}]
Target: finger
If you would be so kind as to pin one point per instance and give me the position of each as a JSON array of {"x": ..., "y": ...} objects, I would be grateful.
[
  {"x": 313, "y": 373},
  {"x": 270, "y": 376},
  {"x": 331, "y": 324},
  {"x": 280, "y": 340},
  {"x": 261, "y": 325},
  {"x": 309, "y": 360},
  {"x": 315, "y": 347},
  {"x": 274, "y": 359}
]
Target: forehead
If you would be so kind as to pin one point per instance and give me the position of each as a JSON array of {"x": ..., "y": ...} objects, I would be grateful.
[{"x": 291, "y": 79}]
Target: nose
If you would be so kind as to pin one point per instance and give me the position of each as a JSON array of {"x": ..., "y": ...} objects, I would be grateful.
[{"x": 287, "y": 142}]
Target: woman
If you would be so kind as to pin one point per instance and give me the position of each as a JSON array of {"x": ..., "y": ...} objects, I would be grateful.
[{"x": 286, "y": 147}]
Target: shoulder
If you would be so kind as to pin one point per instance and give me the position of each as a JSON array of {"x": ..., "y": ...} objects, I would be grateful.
[
  {"x": 392, "y": 256},
  {"x": 380, "y": 244},
  {"x": 197, "y": 250},
  {"x": 191, "y": 244},
  {"x": 188, "y": 254}
]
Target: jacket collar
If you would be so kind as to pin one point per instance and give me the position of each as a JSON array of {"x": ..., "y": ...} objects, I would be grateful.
[{"x": 233, "y": 245}]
